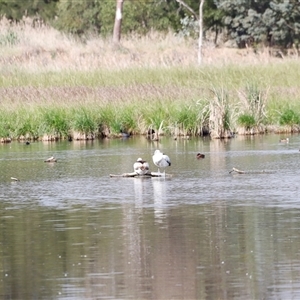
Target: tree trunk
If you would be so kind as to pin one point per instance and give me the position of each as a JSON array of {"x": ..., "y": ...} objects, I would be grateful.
[
  {"x": 200, "y": 32},
  {"x": 118, "y": 22},
  {"x": 199, "y": 18}
]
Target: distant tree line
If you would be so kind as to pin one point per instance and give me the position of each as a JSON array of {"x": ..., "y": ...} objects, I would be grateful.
[{"x": 248, "y": 22}]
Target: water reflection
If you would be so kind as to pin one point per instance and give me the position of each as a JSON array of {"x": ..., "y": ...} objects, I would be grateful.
[
  {"x": 160, "y": 197},
  {"x": 68, "y": 231}
]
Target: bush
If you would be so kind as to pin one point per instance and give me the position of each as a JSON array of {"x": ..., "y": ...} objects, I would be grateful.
[
  {"x": 246, "y": 120},
  {"x": 289, "y": 117}
]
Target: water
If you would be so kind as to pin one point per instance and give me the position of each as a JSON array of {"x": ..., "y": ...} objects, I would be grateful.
[{"x": 69, "y": 231}]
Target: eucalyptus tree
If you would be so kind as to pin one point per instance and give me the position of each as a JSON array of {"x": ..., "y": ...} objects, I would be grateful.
[
  {"x": 251, "y": 22},
  {"x": 284, "y": 21}
]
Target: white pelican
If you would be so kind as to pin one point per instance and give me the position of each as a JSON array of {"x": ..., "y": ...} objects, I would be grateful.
[
  {"x": 161, "y": 160},
  {"x": 141, "y": 167}
]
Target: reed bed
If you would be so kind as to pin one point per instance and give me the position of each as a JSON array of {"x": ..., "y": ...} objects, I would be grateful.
[{"x": 53, "y": 86}]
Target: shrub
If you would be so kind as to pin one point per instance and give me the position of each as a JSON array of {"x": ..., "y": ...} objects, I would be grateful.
[
  {"x": 289, "y": 117},
  {"x": 246, "y": 121}
]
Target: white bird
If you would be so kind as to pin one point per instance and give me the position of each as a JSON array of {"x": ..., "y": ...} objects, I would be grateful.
[
  {"x": 284, "y": 140},
  {"x": 141, "y": 167},
  {"x": 161, "y": 160}
]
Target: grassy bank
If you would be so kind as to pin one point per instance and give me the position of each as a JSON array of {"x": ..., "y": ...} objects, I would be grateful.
[
  {"x": 52, "y": 86},
  {"x": 176, "y": 100}
]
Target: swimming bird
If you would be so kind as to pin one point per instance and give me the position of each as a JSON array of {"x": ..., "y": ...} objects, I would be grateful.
[
  {"x": 51, "y": 159},
  {"x": 284, "y": 140},
  {"x": 141, "y": 167},
  {"x": 124, "y": 134},
  {"x": 150, "y": 133},
  {"x": 200, "y": 156},
  {"x": 161, "y": 160}
]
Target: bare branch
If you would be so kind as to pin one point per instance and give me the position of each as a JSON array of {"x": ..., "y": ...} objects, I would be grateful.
[{"x": 188, "y": 8}]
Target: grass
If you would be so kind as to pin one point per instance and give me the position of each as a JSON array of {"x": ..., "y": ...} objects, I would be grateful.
[{"x": 51, "y": 84}]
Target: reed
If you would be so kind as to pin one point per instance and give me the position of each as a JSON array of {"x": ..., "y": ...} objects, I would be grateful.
[
  {"x": 55, "y": 121},
  {"x": 221, "y": 112},
  {"x": 84, "y": 122}
]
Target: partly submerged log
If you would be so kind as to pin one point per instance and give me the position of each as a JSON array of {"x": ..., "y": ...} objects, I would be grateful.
[
  {"x": 148, "y": 175},
  {"x": 237, "y": 170},
  {"x": 51, "y": 159},
  {"x": 250, "y": 172}
]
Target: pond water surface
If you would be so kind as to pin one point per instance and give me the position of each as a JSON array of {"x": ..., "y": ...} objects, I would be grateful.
[{"x": 69, "y": 231}]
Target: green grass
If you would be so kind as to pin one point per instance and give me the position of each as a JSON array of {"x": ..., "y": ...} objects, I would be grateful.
[{"x": 176, "y": 100}]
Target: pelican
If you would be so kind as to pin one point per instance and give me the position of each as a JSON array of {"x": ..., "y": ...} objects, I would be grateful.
[
  {"x": 141, "y": 167},
  {"x": 161, "y": 160}
]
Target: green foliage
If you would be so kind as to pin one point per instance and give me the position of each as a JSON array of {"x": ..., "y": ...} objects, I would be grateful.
[
  {"x": 16, "y": 9},
  {"x": 286, "y": 27},
  {"x": 156, "y": 115},
  {"x": 289, "y": 117},
  {"x": 189, "y": 26},
  {"x": 186, "y": 118},
  {"x": 83, "y": 121},
  {"x": 246, "y": 120},
  {"x": 142, "y": 16},
  {"x": 56, "y": 121},
  {"x": 78, "y": 17},
  {"x": 264, "y": 21},
  {"x": 127, "y": 118},
  {"x": 5, "y": 126},
  {"x": 106, "y": 17},
  {"x": 83, "y": 16},
  {"x": 212, "y": 19},
  {"x": 24, "y": 123}
]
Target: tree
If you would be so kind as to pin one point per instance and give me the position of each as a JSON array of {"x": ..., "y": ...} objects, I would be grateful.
[
  {"x": 118, "y": 21},
  {"x": 200, "y": 41},
  {"x": 283, "y": 20},
  {"x": 200, "y": 24},
  {"x": 15, "y": 9},
  {"x": 79, "y": 17},
  {"x": 270, "y": 22}
]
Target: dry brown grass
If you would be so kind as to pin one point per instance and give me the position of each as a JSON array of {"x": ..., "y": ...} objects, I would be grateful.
[
  {"x": 82, "y": 95},
  {"x": 42, "y": 48}
]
